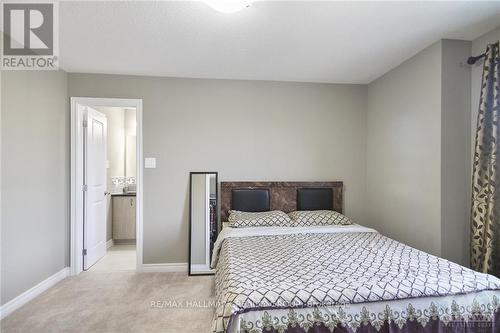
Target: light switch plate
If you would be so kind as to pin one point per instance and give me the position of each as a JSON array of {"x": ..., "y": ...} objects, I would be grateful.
[{"x": 150, "y": 163}]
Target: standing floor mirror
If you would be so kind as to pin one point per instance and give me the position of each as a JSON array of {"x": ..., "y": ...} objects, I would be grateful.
[{"x": 203, "y": 226}]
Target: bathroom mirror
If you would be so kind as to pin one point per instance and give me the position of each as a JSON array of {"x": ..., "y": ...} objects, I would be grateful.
[
  {"x": 203, "y": 226},
  {"x": 130, "y": 156}
]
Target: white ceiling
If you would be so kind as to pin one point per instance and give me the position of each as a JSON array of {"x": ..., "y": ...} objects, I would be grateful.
[{"x": 343, "y": 42}]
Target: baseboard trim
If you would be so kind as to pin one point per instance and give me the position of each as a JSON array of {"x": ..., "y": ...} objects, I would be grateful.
[
  {"x": 170, "y": 267},
  {"x": 201, "y": 269},
  {"x": 33, "y": 292},
  {"x": 109, "y": 243}
]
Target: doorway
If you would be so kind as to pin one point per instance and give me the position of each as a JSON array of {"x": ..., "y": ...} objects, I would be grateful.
[{"x": 106, "y": 178}]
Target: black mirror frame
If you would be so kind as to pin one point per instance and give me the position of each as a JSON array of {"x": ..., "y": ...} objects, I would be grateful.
[{"x": 190, "y": 219}]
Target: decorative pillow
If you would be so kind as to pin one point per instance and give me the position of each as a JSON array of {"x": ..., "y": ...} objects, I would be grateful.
[
  {"x": 306, "y": 218},
  {"x": 274, "y": 218}
]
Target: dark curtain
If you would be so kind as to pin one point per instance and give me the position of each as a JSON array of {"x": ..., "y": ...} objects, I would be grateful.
[{"x": 485, "y": 213}]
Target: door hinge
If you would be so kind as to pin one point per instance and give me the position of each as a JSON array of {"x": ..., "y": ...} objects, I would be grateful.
[
  {"x": 84, "y": 252},
  {"x": 84, "y": 188},
  {"x": 85, "y": 123}
]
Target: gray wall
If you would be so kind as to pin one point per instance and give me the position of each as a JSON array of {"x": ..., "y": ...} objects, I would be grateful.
[
  {"x": 257, "y": 130},
  {"x": 455, "y": 145},
  {"x": 403, "y": 179},
  {"x": 418, "y": 161},
  {"x": 35, "y": 178}
]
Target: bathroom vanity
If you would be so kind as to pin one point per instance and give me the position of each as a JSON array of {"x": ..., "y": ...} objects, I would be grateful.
[{"x": 124, "y": 214}]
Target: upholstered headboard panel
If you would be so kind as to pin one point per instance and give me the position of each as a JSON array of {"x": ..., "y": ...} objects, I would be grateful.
[
  {"x": 254, "y": 200},
  {"x": 283, "y": 195},
  {"x": 315, "y": 198}
]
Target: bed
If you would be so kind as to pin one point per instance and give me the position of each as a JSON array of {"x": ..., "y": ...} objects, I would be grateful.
[{"x": 346, "y": 278}]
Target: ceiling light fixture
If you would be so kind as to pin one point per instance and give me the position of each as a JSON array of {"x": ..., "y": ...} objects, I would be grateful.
[{"x": 228, "y": 6}]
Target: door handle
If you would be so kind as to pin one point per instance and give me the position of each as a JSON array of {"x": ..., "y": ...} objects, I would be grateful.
[{"x": 131, "y": 202}]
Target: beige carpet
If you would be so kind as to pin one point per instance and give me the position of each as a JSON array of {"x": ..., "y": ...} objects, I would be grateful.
[{"x": 119, "y": 302}]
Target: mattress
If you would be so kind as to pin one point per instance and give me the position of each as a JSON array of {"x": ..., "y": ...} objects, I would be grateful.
[{"x": 343, "y": 278}]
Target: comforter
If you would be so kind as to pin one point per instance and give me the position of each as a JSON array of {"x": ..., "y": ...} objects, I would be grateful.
[{"x": 345, "y": 279}]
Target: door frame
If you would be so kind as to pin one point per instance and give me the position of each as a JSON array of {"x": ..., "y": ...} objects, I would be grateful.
[{"x": 76, "y": 227}]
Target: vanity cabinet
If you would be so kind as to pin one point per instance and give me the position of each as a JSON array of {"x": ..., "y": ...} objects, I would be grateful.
[{"x": 124, "y": 211}]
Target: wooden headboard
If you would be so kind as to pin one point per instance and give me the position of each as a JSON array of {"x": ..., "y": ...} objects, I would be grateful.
[{"x": 283, "y": 194}]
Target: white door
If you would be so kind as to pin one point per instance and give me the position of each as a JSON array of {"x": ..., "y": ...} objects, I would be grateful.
[{"x": 94, "y": 222}]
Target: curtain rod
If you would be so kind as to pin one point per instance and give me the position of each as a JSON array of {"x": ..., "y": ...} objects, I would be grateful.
[{"x": 472, "y": 60}]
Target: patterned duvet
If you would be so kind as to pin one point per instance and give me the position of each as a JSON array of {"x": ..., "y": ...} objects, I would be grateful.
[{"x": 344, "y": 278}]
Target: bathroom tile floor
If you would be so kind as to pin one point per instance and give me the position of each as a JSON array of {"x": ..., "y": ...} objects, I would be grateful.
[{"x": 118, "y": 258}]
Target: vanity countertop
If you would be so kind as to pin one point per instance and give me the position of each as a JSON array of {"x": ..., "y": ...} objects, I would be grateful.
[{"x": 123, "y": 194}]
